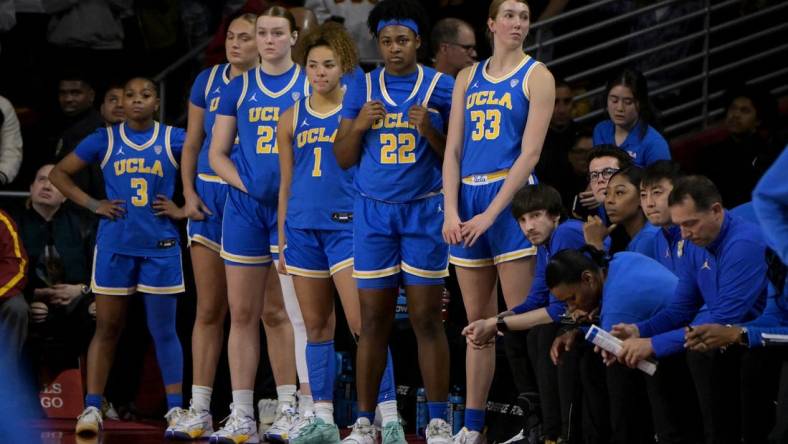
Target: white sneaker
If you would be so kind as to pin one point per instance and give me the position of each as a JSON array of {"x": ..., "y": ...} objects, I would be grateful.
[
  {"x": 303, "y": 421},
  {"x": 174, "y": 415},
  {"x": 363, "y": 433},
  {"x": 279, "y": 431},
  {"x": 468, "y": 437},
  {"x": 237, "y": 429},
  {"x": 89, "y": 422},
  {"x": 191, "y": 425},
  {"x": 438, "y": 432},
  {"x": 108, "y": 410},
  {"x": 267, "y": 411}
]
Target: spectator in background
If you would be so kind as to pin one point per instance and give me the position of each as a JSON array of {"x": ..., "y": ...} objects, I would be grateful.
[
  {"x": 352, "y": 14},
  {"x": 13, "y": 276},
  {"x": 58, "y": 239},
  {"x": 631, "y": 116},
  {"x": 10, "y": 142},
  {"x": 603, "y": 162},
  {"x": 112, "y": 106},
  {"x": 77, "y": 120},
  {"x": 553, "y": 167},
  {"x": 453, "y": 45},
  {"x": 744, "y": 153},
  {"x": 576, "y": 179}
]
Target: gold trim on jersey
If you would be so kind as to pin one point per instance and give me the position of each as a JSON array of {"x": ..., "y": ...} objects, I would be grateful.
[
  {"x": 135, "y": 146},
  {"x": 212, "y": 178},
  {"x": 372, "y": 274},
  {"x": 168, "y": 146},
  {"x": 304, "y": 272},
  {"x": 429, "y": 274},
  {"x": 110, "y": 143},
  {"x": 514, "y": 255},
  {"x": 208, "y": 84},
  {"x": 416, "y": 86},
  {"x": 204, "y": 241},
  {"x": 339, "y": 266},
  {"x": 314, "y": 113},
  {"x": 368, "y": 81},
  {"x": 161, "y": 290},
  {"x": 470, "y": 263},
  {"x": 525, "y": 79},
  {"x": 250, "y": 260},
  {"x": 244, "y": 89},
  {"x": 430, "y": 90},
  {"x": 281, "y": 92},
  {"x": 226, "y": 74},
  {"x": 296, "y": 107},
  {"x": 492, "y": 79}
]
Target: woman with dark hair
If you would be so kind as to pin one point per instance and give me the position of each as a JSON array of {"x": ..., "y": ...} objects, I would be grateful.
[
  {"x": 629, "y": 229},
  {"x": 631, "y": 118}
]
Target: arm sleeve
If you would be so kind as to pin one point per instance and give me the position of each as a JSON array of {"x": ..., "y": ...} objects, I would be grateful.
[
  {"x": 657, "y": 148},
  {"x": 228, "y": 102},
  {"x": 10, "y": 142},
  {"x": 197, "y": 95},
  {"x": 681, "y": 309},
  {"x": 355, "y": 96},
  {"x": 93, "y": 147},
  {"x": 177, "y": 137},
  {"x": 741, "y": 283},
  {"x": 770, "y": 200}
]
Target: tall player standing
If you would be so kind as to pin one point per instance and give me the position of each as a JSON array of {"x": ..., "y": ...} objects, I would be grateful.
[
  {"x": 393, "y": 127},
  {"x": 501, "y": 110},
  {"x": 137, "y": 247},
  {"x": 205, "y": 193},
  {"x": 249, "y": 107}
]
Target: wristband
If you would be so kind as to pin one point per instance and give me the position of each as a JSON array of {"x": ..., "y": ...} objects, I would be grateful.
[
  {"x": 92, "y": 205},
  {"x": 501, "y": 325}
]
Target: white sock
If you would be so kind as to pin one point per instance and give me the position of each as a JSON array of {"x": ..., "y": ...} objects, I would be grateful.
[
  {"x": 325, "y": 411},
  {"x": 201, "y": 398},
  {"x": 285, "y": 394},
  {"x": 306, "y": 405},
  {"x": 388, "y": 412},
  {"x": 243, "y": 403}
]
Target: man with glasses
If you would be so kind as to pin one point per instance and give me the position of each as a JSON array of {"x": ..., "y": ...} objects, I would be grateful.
[
  {"x": 603, "y": 161},
  {"x": 453, "y": 45}
]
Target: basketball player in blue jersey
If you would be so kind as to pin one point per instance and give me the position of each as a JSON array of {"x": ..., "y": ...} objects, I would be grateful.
[
  {"x": 250, "y": 107},
  {"x": 204, "y": 197},
  {"x": 137, "y": 247},
  {"x": 392, "y": 127},
  {"x": 501, "y": 110}
]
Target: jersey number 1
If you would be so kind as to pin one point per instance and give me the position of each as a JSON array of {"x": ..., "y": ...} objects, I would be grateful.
[{"x": 141, "y": 186}]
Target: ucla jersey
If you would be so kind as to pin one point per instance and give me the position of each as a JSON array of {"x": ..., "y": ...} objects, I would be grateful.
[
  {"x": 321, "y": 193},
  {"x": 256, "y": 99},
  {"x": 137, "y": 166},
  {"x": 397, "y": 164},
  {"x": 206, "y": 92},
  {"x": 496, "y": 110}
]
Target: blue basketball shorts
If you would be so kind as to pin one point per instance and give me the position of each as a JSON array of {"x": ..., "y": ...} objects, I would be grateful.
[
  {"x": 317, "y": 253},
  {"x": 208, "y": 232},
  {"x": 249, "y": 235},
  {"x": 503, "y": 241},
  {"x": 399, "y": 243},
  {"x": 122, "y": 275}
]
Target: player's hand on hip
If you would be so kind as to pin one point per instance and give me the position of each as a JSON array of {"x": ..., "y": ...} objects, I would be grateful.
[
  {"x": 163, "y": 206},
  {"x": 111, "y": 209},
  {"x": 474, "y": 228}
]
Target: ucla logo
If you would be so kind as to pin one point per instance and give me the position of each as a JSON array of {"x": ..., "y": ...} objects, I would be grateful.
[
  {"x": 137, "y": 165},
  {"x": 157, "y": 149}
]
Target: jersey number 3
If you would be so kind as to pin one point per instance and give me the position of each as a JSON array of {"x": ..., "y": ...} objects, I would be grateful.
[
  {"x": 397, "y": 148},
  {"x": 488, "y": 124},
  {"x": 140, "y": 185}
]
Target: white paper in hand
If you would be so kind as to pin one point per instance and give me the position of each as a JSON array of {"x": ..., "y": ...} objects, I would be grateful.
[{"x": 612, "y": 344}]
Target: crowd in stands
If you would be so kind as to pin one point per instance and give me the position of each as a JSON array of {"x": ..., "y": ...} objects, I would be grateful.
[{"x": 682, "y": 264}]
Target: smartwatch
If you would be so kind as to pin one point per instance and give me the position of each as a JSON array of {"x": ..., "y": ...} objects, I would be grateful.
[{"x": 501, "y": 324}]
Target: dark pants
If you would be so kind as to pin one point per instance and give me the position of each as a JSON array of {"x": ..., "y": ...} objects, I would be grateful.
[
  {"x": 540, "y": 339},
  {"x": 733, "y": 394},
  {"x": 674, "y": 403},
  {"x": 779, "y": 434},
  {"x": 630, "y": 415},
  {"x": 13, "y": 327},
  {"x": 59, "y": 341}
]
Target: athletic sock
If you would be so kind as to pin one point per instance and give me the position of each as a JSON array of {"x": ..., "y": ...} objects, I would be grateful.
[
  {"x": 285, "y": 394},
  {"x": 201, "y": 398},
  {"x": 306, "y": 405},
  {"x": 93, "y": 400},
  {"x": 474, "y": 419},
  {"x": 388, "y": 412},
  {"x": 174, "y": 400},
  {"x": 243, "y": 403},
  {"x": 438, "y": 410},
  {"x": 325, "y": 411}
]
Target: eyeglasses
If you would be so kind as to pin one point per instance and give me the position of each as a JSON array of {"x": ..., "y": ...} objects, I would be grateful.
[
  {"x": 467, "y": 48},
  {"x": 604, "y": 173}
]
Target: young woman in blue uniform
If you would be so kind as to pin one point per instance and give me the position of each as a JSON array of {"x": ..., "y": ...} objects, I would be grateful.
[
  {"x": 137, "y": 246},
  {"x": 501, "y": 110}
]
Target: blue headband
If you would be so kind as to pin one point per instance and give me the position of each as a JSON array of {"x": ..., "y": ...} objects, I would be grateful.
[{"x": 408, "y": 23}]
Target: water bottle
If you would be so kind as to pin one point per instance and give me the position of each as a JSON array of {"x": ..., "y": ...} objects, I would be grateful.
[
  {"x": 456, "y": 411},
  {"x": 422, "y": 412}
]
